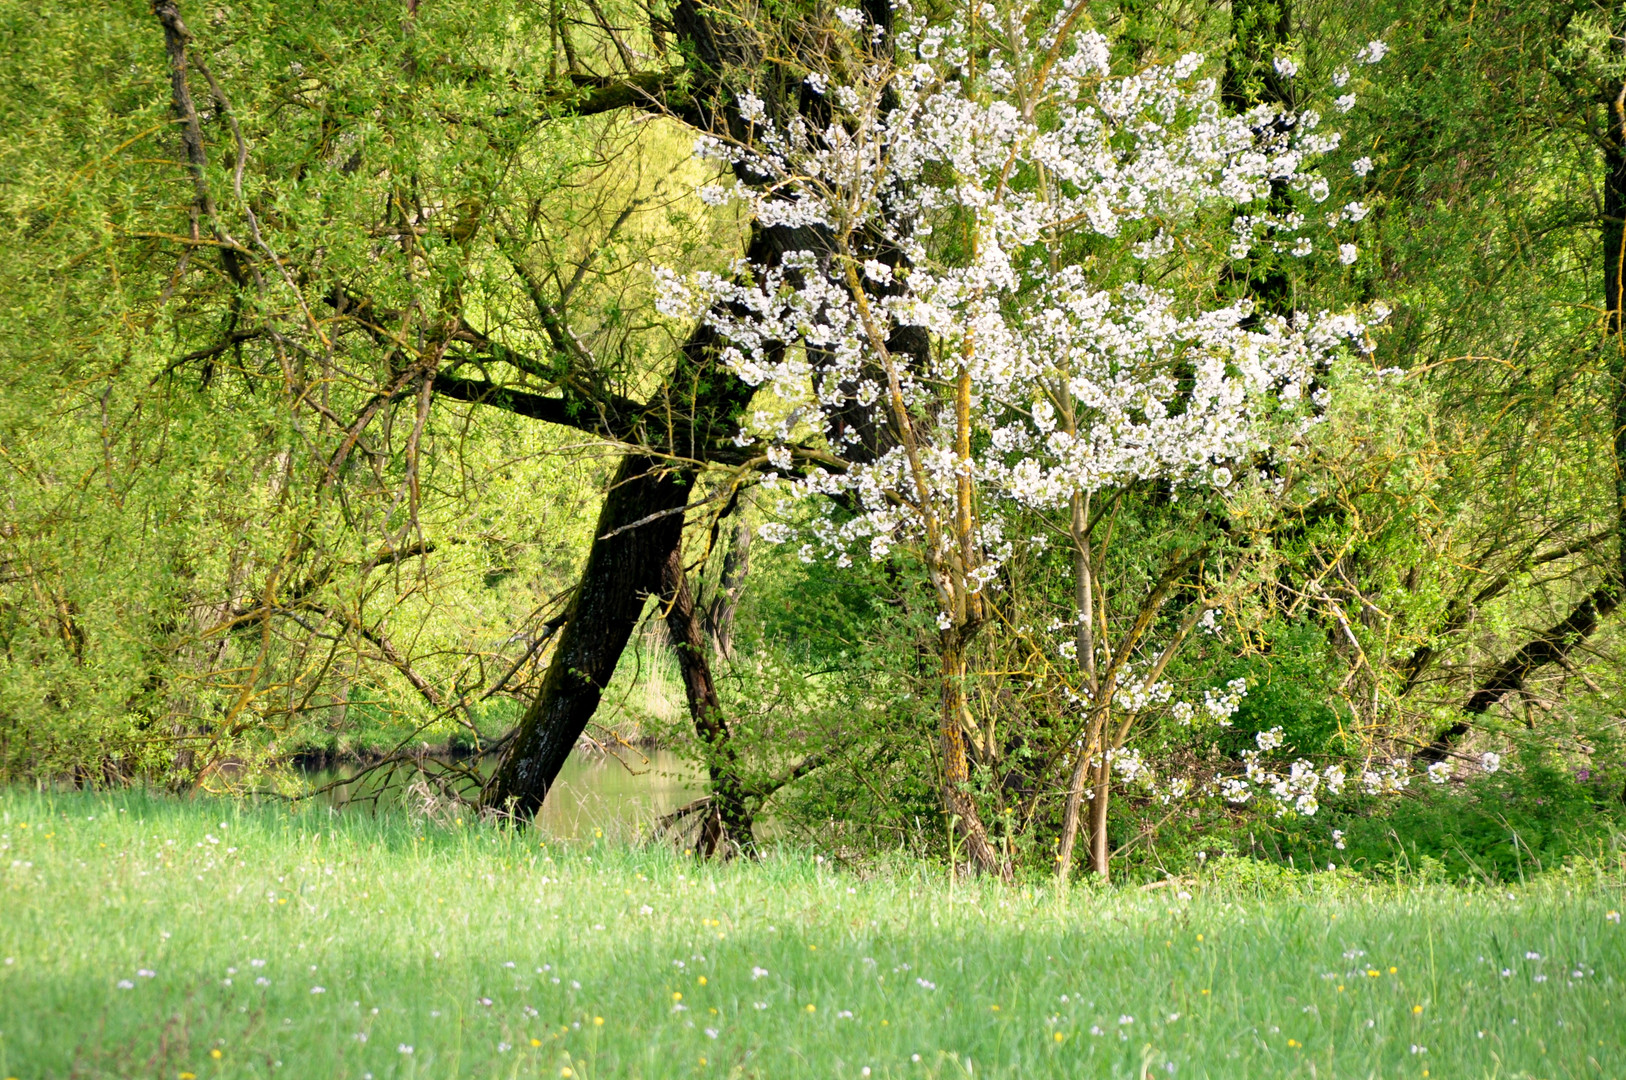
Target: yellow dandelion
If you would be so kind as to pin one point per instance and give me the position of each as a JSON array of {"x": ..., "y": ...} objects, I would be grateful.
[
  {"x": 1340, "y": 988},
  {"x": 995, "y": 1008},
  {"x": 701, "y": 980},
  {"x": 1393, "y": 970},
  {"x": 1206, "y": 993},
  {"x": 598, "y": 1021},
  {"x": 566, "y": 1071},
  {"x": 1415, "y": 1009},
  {"x": 535, "y": 1043},
  {"x": 215, "y": 1053},
  {"x": 677, "y": 995},
  {"x": 810, "y": 1008},
  {"x": 702, "y": 1061},
  {"x": 1293, "y": 1043},
  {"x": 1199, "y": 937},
  {"x": 1058, "y": 1036}
]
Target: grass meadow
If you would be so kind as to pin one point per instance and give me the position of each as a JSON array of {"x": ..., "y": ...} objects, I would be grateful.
[{"x": 150, "y": 937}]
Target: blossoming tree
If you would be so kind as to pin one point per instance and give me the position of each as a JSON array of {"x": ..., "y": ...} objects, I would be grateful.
[{"x": 970, "y": 349}]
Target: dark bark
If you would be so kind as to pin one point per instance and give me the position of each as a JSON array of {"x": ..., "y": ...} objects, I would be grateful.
[
  {"x": 621, "y": 572},
  {"x": 727, "y": 826},
  {"x": 726, "y": 600}
]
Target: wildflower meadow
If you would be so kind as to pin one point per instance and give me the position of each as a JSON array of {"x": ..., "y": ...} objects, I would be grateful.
[{"x": 145, "y": 937}]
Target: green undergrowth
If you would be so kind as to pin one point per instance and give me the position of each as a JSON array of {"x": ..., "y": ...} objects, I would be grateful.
[{"x": 159, "y": 938}]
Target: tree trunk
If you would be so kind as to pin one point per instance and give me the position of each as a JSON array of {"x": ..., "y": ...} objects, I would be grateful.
[
  {"x": 623, "y": 568},
  {"x": 1100, "y": 850},
  {"x": 728, "y": 823},
  {"x": 726, "y": 600},
  {"x": 1071, "y": 811},
  {"x": 958, "y": 801}
]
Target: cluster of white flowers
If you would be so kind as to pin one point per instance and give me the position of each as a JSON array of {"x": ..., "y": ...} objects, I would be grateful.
[
  {"x": 1386, "y": 779},
  {"x": 1294, "y": 792},
  {"x": 1079, "y": 386}
]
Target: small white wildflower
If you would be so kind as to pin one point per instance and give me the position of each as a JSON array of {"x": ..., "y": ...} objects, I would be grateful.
[
  {"x": 1361, "y": 166},
  {"x": 1491, "y": 761},
  {"x": 403, "y": 1048},
  {"x": 1285, "y": 67},
  {"x": 1348, "y": 253},
  {"x": 1439, "y": 772}
]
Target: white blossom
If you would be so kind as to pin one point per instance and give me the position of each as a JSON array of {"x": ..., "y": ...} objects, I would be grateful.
[{"x": 1372, "y": 53}]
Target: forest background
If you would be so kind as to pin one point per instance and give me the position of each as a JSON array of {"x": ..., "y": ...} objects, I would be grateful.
[{"x": 341, "y": 415}]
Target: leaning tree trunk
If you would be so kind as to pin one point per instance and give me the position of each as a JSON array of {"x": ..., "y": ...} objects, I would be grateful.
[{"x": 623, "y": 568}]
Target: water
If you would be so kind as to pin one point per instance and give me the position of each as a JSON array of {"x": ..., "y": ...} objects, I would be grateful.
[{"x": 594, "y": 792}]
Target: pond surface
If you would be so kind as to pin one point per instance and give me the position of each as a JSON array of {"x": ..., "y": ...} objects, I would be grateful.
[{"x": 595, "y": 791}]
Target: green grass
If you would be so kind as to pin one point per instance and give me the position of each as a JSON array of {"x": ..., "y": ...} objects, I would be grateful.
[{"x": 492, "y": 953}]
